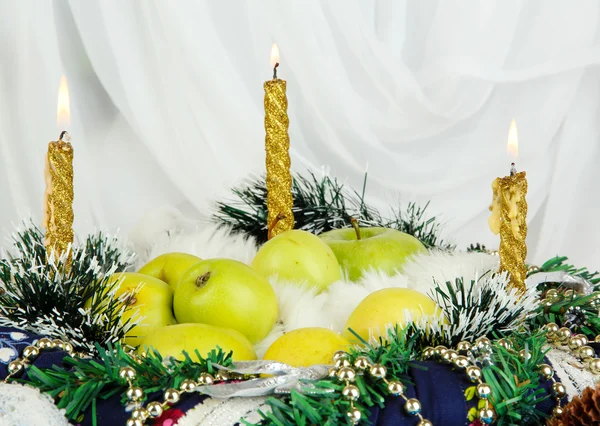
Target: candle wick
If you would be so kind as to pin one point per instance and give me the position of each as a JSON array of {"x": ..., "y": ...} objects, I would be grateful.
[
  {"x": 62, "y": 135},
  {"x": 275, "y": 70},
  {"x": 513, "y": 169}
]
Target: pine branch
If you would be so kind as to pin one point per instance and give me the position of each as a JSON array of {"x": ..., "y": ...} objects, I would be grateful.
[
  {"x": 321, "y": 205},
  {"x": 45, "y": 296}
]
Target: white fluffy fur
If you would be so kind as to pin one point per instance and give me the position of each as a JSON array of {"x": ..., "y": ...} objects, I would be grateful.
[{"x": 167, "y": 231}]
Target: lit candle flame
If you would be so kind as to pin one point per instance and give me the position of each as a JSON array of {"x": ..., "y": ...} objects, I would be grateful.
[
  {"x": 63, "y": 111},
  {"x": 513, "y": 140},
  {"x": 274, "y": 55}
]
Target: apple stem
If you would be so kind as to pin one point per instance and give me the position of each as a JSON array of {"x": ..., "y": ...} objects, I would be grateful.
[
  {"x": 354, "y": 222},
  {"x": 203, "y": 279},
  {"x": 272, "y": 226}
]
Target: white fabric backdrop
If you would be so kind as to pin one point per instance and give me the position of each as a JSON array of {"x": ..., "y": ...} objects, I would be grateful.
[{"x": 166, "y": 101}]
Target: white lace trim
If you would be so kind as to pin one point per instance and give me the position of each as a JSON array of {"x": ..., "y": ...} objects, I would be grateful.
[
  {"x": 26, "y": 406},
  {"x": 224, "y": 412},
  {"x": 570, "y": 372}
]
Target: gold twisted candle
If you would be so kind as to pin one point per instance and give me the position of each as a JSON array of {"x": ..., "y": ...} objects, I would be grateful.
[
  {"x": 509, "y": 214},
  {"x": 58, "y": 198},
  {"x": 277, "y": 144},
  {"x": 509, "y": 218}
]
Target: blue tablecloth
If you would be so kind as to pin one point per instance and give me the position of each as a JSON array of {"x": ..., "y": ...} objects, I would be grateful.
[{"x": 439, "y": 388}]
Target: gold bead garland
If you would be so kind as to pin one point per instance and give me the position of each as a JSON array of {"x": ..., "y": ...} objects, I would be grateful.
[
  {"x": 563, "y": 338},
  {"x": 31, "y": 352},
  {"x": 154, "y": 409},
  {"x": 460, "y": 359},
  {"x": 346, "y": 372}
]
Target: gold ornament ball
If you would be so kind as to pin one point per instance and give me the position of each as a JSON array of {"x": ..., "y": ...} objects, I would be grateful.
[
  {"x": 594, "y": 365},
  {"x": 44, "y": 343},
  {"x": 134, "y": 422},
  {"x": 346, "y": 374},
  {"x": 461, "y": 361},
  {"x": 440, "y": 350},
  {"x": 586, "y": 352},
  {"x": 428, "y": 352},
  {"x": 188, "y": 385},
  {"x": 564, "y": 334},
  {"x": 127, "y": 373},
  {"x": 559, "y": 390},
  {"x": 482, "y": 342},
  {"x": 362, "y": 363},
  {"x": 172, "y": 396},
  {"x": 424, "y": 422},
  {"x": 68, "y": 347},
  {"x": 484, "y": 391},
  {"x": 395, "y": 388},
  {"x": 504, "y": 343},
  {"x": 474, "y": 373},
  {"x": 463, "y": 346},
  {"x": 15, "y": 366},
  {"x": 558, "y": 411},
  {"x": 332, "y": 372},
  {"x": 378, "y": 371},
  {"x": 412, "y": 406},
  {"x": 568, "y": 293},
  {"x": 58, "y": 343},
  {"x": 354, "y": 415},
  {"x": 525, "y": 355},
  {"x": 546, "y": 371},
  {"x": 30, "y": 351},
  {"x": 584, "y": 338},
  {"x": 552, "y": 328},
  {"x": 135, "y": 393},
  {"x": 597, "y": 339},
  {"x": 339, "y": 355},
  {"x": 551, "y": 294},
  {"x": 342, "y": 362},
  {"x": 450, "y": 355},
  {"x": 140, "y": 413},
  {"x": 206, "y": 379},
  {"x": 222, "y": 376},
  {"x": 575, "y": 342},
  {"x": 351, "y": 392},
  {"x": 486, "y": 415},
  {"x": 155, "y": 409}
]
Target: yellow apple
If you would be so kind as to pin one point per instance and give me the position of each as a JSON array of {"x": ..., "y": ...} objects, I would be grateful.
[
  {"x": 149, "y": 301},
  {"x": 173, "y": 340},
  {"x": 169, "y": 267},
  {"x": 300, "y": 257},
  {"x": 385, "y": 309},
  {"x": 304, "y": 347},
  {"x": 227, "y": 293}
]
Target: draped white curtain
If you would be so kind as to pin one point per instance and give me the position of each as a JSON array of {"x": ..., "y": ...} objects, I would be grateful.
[{"x": 167, "y": 105}]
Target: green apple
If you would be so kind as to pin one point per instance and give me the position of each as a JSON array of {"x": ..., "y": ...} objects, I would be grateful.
[
  {"x": 173, "y": 340},
  {"x": 169, "y": 267},
  {"x": 382, "y": 249},
  {"x": 300, "y": 257},
  {"x": 149, "y": 301},
  {"x": 227, "y": 293}
]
